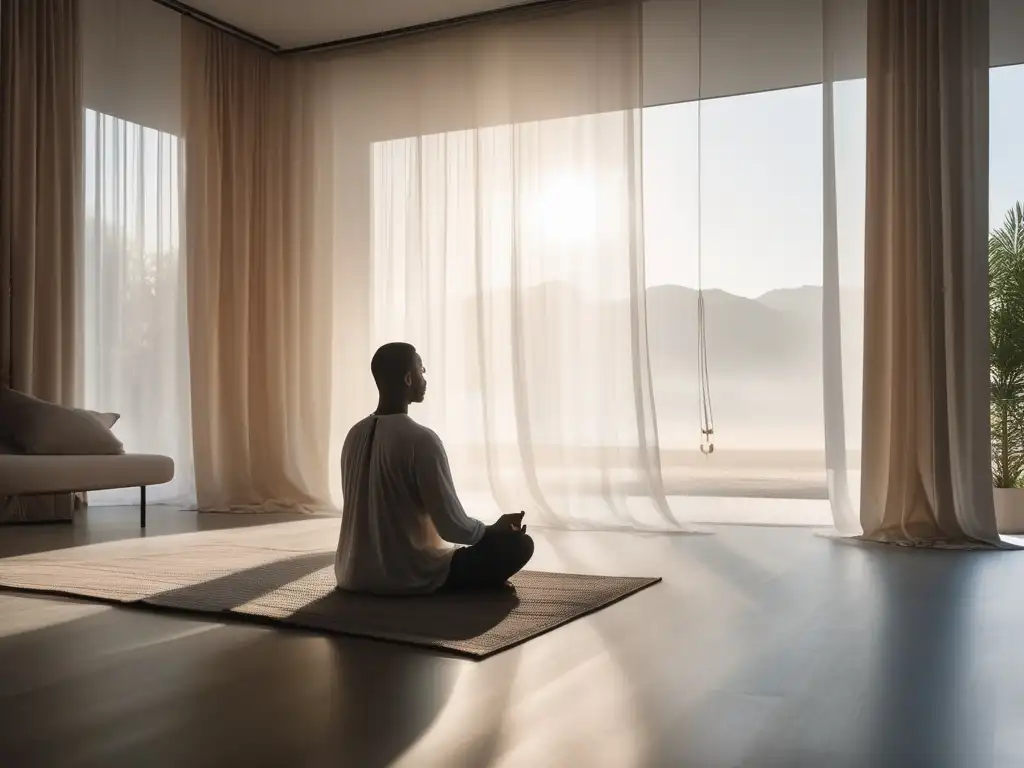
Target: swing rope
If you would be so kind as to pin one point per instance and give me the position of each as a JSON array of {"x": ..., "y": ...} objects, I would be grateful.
[{"x": 707, "y": 417}]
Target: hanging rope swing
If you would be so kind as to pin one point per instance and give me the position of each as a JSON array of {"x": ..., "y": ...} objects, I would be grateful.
[{"x": 707, "y": 416}]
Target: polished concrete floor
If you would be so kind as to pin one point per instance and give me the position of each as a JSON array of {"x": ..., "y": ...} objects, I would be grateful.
[{"x": 763, "y": 647}]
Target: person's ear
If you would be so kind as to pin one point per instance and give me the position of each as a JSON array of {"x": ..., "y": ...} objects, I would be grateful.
[{"x": 408, "y": 379}]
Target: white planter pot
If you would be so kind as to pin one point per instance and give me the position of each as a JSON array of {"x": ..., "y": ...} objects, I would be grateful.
[{"x": 1009, "y": 509}]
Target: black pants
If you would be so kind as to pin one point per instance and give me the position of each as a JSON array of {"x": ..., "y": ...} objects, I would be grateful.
[{"x": 489, "y": 563}]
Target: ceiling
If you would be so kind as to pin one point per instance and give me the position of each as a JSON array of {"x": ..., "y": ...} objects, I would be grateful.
[{"x": 297, "y": 23}]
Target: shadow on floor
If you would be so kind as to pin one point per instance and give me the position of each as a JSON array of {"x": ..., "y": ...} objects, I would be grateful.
[
  {"x": 352, "y": 702},
  {"x": 441, "y": 617},
  {"x": 147, "y": 685}
]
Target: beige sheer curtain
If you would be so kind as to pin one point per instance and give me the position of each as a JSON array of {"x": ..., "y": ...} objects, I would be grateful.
[
  {"x": 926, "y": 449},
  {"x": 258, "y": 294},
  {"x": 40, "y": 184}
]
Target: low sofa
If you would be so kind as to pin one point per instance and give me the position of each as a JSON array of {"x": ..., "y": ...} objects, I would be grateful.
[
  {"x": 22, "y": 475},
  {"x": 49, "y": 449}
]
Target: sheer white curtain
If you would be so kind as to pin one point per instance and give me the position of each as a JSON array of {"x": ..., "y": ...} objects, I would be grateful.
[
  {"x": 844, "y": 137},
  {"x": 135, "y": 352},
  {"x": 498, "y": 167}
]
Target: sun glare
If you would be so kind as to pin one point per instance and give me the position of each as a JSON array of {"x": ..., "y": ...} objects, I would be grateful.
[{"x": 565, "y": 211}]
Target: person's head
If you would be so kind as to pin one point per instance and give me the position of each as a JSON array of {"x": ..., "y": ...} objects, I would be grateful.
[{"x": 399, "y": 373}]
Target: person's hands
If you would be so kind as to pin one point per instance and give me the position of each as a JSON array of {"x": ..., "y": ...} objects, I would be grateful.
[{"x": 509, "y": 524}]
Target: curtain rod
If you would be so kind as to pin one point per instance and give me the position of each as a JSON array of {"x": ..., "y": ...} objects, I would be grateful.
[
  {"x": 430, "y": 26},
  {"x": 212, "y": 21}
]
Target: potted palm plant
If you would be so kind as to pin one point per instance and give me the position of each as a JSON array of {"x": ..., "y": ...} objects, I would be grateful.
[{"x": 1006, "y": 368}]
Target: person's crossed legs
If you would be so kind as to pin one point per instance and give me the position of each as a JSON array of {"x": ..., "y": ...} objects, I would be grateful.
[{"x": 490, "y": 563}]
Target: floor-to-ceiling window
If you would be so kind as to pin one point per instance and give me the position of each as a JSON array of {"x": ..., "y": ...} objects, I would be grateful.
[
  {"x": 134, "y": 342},
  {"x": 134, "y": 357},
  {"x": 732, "y": 205},
  {"x": 1006, "y": 264}
]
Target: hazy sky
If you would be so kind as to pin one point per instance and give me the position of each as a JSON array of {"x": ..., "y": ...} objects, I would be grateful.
[
  {"x": 760, "y": 178},
  {"x": 1006, "y": 184}
]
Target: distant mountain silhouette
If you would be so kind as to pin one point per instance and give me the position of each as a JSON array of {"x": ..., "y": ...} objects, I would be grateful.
[
  {"x": 778, "y": 334},
  {"x": 743, "y": 335},
  {"x": 804, "y": 302}
]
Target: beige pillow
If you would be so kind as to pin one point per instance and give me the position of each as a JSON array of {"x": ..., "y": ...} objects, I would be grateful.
[
  {"x": 108, "y": 420},
  {"x": 36, "y": 427}
]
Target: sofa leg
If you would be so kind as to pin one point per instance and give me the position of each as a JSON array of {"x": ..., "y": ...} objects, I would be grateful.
[{"x": 142, "y": 505}]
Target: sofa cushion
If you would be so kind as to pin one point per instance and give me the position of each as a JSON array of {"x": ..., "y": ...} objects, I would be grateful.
[
  {"x": 36, "y": 427},
  {"x": 61, "y": 474}
]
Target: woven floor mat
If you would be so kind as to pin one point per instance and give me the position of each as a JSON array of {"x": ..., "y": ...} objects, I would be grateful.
[{"x": 284, "y": 574}]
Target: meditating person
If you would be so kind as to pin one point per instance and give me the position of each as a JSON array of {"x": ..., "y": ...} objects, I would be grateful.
[{"x": 400, "y": 504}]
